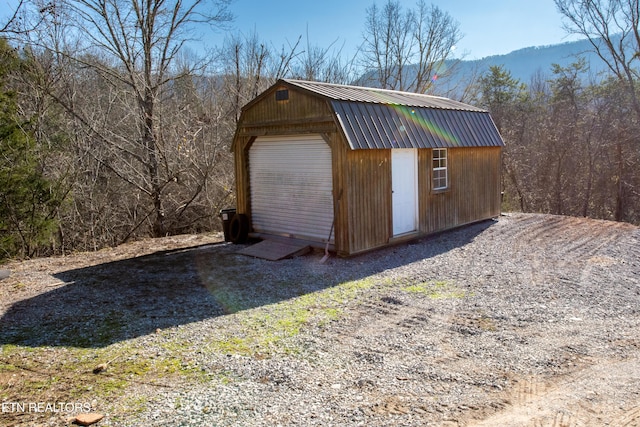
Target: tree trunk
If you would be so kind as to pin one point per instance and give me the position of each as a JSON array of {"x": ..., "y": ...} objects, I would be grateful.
[
  {"x": 150, "y": 145},
  {"x": 620, "y": 196}
]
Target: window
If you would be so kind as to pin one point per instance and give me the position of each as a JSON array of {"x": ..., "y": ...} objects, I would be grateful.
[
  {"x": 282, "y": 95},
  {"x": 439, "y": 169}
]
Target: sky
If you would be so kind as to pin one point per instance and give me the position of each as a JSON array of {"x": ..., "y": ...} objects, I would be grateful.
[{"x": 490, "y": 27}]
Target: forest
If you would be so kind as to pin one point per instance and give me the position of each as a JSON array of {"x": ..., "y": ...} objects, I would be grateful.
[{"x": 112, "y": 129}]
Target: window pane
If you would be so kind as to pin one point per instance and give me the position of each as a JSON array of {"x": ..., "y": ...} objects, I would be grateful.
[
  {"x": 439, "y": 179},
  {"x": 439, "y": 168}
]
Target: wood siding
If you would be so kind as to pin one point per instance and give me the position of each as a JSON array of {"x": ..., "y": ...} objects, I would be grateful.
[
  {"x": 241, "y": 157},
  {"x": 300, "y": 114},
  {"x": 368, "y": 191},
  {"x": 473, "y": 193},
  {"x": 342, "y": 205}
]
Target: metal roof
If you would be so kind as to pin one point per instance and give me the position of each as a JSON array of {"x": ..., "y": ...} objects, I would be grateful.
[
  {"x": 380, "y": 96},
  {"x": 377, "y": 118}
]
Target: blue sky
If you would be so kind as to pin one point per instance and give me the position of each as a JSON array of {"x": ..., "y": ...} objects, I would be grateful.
[{"x": 490, "y": 27}]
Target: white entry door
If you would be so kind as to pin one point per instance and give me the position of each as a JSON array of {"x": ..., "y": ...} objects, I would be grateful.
[{"x": 404, "y": 184}]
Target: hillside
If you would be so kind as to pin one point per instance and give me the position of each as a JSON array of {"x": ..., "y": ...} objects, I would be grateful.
[{"x": 523, "y": 64}]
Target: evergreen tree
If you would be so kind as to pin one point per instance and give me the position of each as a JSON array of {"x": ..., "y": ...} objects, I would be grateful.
[
  {"x": 501, "y": 94},
  {"x": 26, "y": 200}
]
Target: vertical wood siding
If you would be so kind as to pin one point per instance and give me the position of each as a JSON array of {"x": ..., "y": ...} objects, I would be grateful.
[
  {"x": 241, "y": 156},
  {"x": 342, "y": 203},
  {"x": 300, "y": 109},
  {"x": 473, "y": 193},
  {"x": 369, "y": 193}
]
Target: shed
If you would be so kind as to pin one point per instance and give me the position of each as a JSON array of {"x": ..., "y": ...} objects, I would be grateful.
[{"x": 361, "y": 168}]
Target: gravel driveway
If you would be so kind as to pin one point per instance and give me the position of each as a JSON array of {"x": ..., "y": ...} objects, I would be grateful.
[{"x": 529, "y": 320}]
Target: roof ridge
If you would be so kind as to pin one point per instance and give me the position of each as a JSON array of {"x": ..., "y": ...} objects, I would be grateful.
[
  {"x": 367, "y": 88},
  {"x": 350, "y": 93}
]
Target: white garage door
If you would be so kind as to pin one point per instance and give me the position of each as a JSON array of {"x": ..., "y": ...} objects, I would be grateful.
[{"x": 291, "y": 186}]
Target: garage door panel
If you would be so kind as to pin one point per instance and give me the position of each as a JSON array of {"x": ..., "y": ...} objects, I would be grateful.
[{"x": 291, "y": 186}]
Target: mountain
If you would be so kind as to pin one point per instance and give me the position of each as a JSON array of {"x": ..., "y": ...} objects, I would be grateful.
[{"x": 523, "y": 64}]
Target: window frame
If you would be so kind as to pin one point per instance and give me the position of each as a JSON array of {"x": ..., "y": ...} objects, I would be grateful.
[{"x": 442, "y": 155}]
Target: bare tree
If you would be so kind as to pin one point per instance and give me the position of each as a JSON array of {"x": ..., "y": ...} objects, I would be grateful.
[
  {"x": 325, "y": 64},
  {"x": 249, "y": 65},
  {"x": 139, "y": 41},
  {"x": 245, "y": 63},
  {"x": 378, "y": 57},
  {"x": 506, "y": 98},
  {"x": 436, "y": 35},
  {"x": 403, "y": 50},
  {"x": 11, "y": 24},
  {"x": 611, "y": 26}
]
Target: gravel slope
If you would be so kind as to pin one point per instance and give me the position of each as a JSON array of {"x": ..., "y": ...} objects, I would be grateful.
[{"x": 530, "y": 320}]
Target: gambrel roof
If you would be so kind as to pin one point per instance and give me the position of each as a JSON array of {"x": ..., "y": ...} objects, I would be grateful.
[{"x": 373, "y": 118}]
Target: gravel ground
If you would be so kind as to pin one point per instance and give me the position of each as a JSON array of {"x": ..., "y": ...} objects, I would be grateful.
[{"x": 529, "y": 320}]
